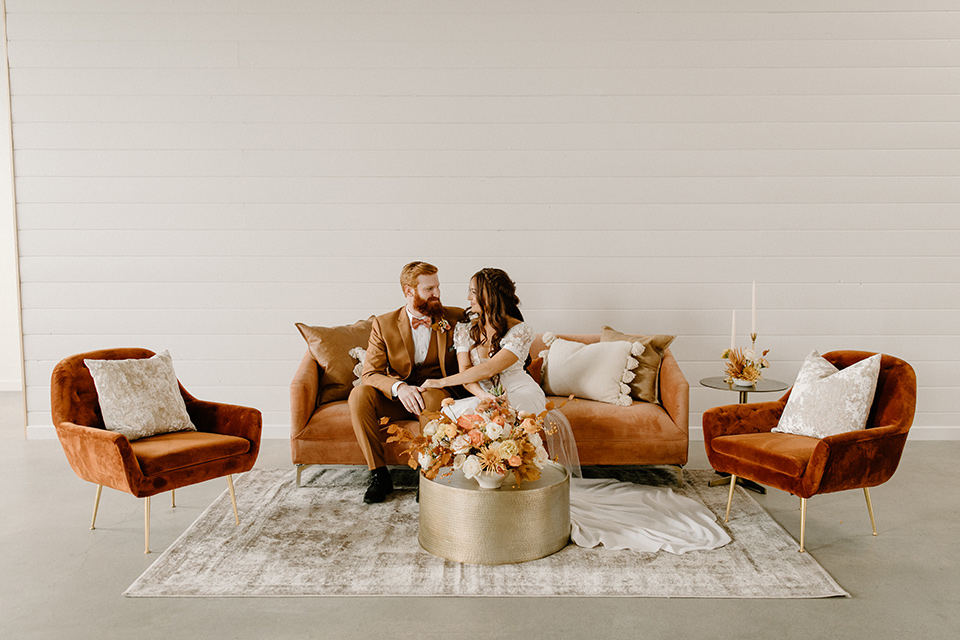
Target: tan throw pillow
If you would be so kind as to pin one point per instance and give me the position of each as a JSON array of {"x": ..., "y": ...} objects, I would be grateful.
[
  {"x": 331, "y": 347},
  {"x": 140, "y": 397},
  {"x": 598, "y": 371},
  {"x": 826, "y": 401},
  {"x": 646, "y": 385}
]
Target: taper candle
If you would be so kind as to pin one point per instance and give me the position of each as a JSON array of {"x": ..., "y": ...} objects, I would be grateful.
[
  {"x": 733, "y": 331},
  {"x": 753, "y": 312}
]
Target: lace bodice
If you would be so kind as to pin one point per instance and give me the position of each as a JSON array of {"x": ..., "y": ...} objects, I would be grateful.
[{"x": 517, "y": 341}]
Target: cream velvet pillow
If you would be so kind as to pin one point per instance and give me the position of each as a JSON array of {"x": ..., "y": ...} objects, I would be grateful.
[
  {"x": 599, "y": 371},
  {"x": 826, "y": 401},
  {"x": 140, "y": 397}
]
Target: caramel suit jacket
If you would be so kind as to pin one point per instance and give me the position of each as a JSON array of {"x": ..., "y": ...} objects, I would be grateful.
[{"x": 390, "y": 351}]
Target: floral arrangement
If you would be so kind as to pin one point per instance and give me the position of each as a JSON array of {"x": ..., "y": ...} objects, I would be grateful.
[
  {"x": 441, "y": 326},
  {"x": 743, "y": 364},
  {"x": 494, "y": 439}
]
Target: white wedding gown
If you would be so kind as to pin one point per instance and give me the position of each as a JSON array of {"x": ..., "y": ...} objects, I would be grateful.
[{"x": 618, "y": 515}]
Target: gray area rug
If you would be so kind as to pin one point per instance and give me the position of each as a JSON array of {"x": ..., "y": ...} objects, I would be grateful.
[{"x": 320, "y": 540}]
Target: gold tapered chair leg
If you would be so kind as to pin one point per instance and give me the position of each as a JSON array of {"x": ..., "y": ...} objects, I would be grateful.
[
  {"x": 680, "y": 477},
  {"x": 233, "y": 498},
  {"x": 803, "y": 521},
  {"x": 146, "y": 524},
  {"x": 299, "y": 471},
  {"x": 733, "y": 485},
  {"x": 873, "y": 523},
  {"x": 173, "y": 498},
  {"x": 96, "y": 505}
]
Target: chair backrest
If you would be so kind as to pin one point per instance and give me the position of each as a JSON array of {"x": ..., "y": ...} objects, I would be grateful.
[
  {"x": 73, "y": 396},
  {"x": 895, "y": 401}
]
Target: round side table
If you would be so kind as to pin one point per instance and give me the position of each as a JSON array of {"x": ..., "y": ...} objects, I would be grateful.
[
  {"x": 760, "y": 386},
  {"x": 460, "y": 521}
]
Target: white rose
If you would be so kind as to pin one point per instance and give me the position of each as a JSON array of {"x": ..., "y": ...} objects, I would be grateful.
[
  {"x": 458, "y": 461},
  {"x": 460, "y": 444},
  {"x": 540, "y": 457},
  {"x": 535, "y": 439},
  {"x": 425, "y": 460},
  {"x": 493, "y": 430},
  {"x": 471, "y": 467},
  {"x": 750, "y": 354},
  {"x": 431, "y": 428}
]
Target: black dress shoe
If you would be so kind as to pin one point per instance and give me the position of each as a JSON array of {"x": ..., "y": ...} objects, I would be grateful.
[{"x": 380, "y": 486}]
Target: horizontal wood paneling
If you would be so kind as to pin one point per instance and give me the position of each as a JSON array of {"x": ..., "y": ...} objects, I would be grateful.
[{"x": 198, "y": 176}]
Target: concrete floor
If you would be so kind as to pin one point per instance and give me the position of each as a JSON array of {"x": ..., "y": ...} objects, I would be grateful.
[{"x": 61, "y": 580}]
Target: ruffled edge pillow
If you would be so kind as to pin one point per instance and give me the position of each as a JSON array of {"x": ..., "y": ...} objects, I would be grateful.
[
  {"x": 600, "y": 371},
  {"x": 826, "y": 401},
  {"x": 140, "y": 397}
]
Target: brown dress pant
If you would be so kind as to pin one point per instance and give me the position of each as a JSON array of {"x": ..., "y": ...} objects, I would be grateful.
[{"x": 368, "y": 405}]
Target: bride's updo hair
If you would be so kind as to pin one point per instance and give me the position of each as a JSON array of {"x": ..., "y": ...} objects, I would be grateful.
[{"x": 497, "y": 297}]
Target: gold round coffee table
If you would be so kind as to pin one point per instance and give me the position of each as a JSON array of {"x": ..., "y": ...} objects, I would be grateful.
[{"x": 460, "y": 521}]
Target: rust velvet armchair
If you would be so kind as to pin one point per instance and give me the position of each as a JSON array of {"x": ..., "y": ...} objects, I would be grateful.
[
  {"x": 739, "y": 441},
  {"x": 227, "y": 439}
]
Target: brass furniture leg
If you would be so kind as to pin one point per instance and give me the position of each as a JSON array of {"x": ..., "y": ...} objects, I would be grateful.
[
  {"x": 873, "y": 523},
  {"x": 173, "y": 498},
  {"x": 233, "y": 498},
  {"x": 96, "y": 505},
  {"x": 733, "y": 485},
  {"x": 680, "y": 476},
  {"x": 146, "y": 524},
  {"x": 803, "y": 521}
]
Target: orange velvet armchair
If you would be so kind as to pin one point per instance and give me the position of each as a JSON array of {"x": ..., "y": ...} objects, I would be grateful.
[
  {"x": 227, "y": 440},
  {"x": 739, "y": 441}
]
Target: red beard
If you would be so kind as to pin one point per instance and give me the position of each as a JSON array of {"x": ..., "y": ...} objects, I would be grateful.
[{"x": 429, "y": 307}]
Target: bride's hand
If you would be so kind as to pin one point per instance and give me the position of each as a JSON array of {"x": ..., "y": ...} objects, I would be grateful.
[{"x": 431, "y": 384}]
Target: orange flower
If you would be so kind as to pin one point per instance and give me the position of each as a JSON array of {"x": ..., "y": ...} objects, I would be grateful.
[
  {"x": 515, "y": 461},
  {"x": 476, "y": 437}
]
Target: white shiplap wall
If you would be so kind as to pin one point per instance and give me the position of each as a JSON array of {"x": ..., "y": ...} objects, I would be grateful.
[{"x": 199, "y": 175}]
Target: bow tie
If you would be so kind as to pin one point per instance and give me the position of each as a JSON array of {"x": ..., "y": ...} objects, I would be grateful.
[{"x": 420, "y": 322}]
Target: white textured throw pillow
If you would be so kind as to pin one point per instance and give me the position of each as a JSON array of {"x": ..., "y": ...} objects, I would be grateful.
[
  {"x": 359, "y": 354},
  {"x": 140, "y": 397},
  {"x": 601, "y": 371},
  {"x": 826, "y": 401}
]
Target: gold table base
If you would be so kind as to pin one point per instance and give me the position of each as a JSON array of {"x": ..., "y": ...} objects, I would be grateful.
[{"x": 460, "y": 521}]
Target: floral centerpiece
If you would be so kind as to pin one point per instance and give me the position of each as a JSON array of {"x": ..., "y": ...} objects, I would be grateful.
[
  {"x": 743, "y": 365},
  {"x": 493, "y": 440}
]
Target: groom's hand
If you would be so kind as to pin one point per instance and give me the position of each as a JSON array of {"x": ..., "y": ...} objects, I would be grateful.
[{"x": 410, "y": 398}]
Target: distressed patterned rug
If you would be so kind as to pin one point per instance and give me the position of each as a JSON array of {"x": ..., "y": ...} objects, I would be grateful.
[{"x": 320, "y": 540}]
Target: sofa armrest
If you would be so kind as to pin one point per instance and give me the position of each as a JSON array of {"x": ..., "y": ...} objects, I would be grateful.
[
  {"x": 100, "y": 456},
  {"x": 304, "y": 389},
  {"x": 674, "y": 392}
]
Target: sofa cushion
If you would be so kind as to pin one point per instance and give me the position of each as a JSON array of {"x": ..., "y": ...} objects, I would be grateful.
[
  {"x": 597, "y": 371},
  {"x": 331, "y": 347},
  {"x": 599, "y": 421},
  {"x": 781, "y": 452},
  {"x": 646, "y": 384},
  {"x": 826, "y": 401},
  {"x": 164, "y": 453},
  {"x": 140, "y": 397}
]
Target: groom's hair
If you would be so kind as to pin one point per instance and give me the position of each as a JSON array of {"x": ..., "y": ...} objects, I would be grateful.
[{"x": 411, "y": 273}]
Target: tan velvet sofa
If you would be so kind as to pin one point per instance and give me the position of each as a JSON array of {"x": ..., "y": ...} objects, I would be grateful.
[{"x": 640, "y": 434}]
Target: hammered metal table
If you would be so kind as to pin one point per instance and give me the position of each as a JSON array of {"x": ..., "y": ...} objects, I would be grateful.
[{"x": 460, "y": 521}]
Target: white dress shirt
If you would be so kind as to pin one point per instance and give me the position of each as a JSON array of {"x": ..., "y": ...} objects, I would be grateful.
[{"x": 421, "y": 345}]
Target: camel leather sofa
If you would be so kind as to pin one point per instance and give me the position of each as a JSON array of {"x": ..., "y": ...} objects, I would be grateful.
[{"x": 640, "y": 434}]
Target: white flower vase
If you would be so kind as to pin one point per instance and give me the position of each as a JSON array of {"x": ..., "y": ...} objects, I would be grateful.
[
  {"x": 489, "y": 479},
  {"x": 740, "y": 382}
]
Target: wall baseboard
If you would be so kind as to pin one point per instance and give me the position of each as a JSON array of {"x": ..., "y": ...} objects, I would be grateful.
[{"x": 282, "y": 432}]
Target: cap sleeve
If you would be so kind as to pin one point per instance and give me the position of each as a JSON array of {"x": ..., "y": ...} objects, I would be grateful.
[
  {"x": 518, "y": 340},
  {"x": 461, "y": 337}
]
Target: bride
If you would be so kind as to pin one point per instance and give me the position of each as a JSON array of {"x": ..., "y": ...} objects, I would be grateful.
[{"x": 493, "y": 351}]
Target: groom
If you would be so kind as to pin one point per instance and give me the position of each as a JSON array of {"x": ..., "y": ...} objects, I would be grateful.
[{"x": 407, "y": 346}]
